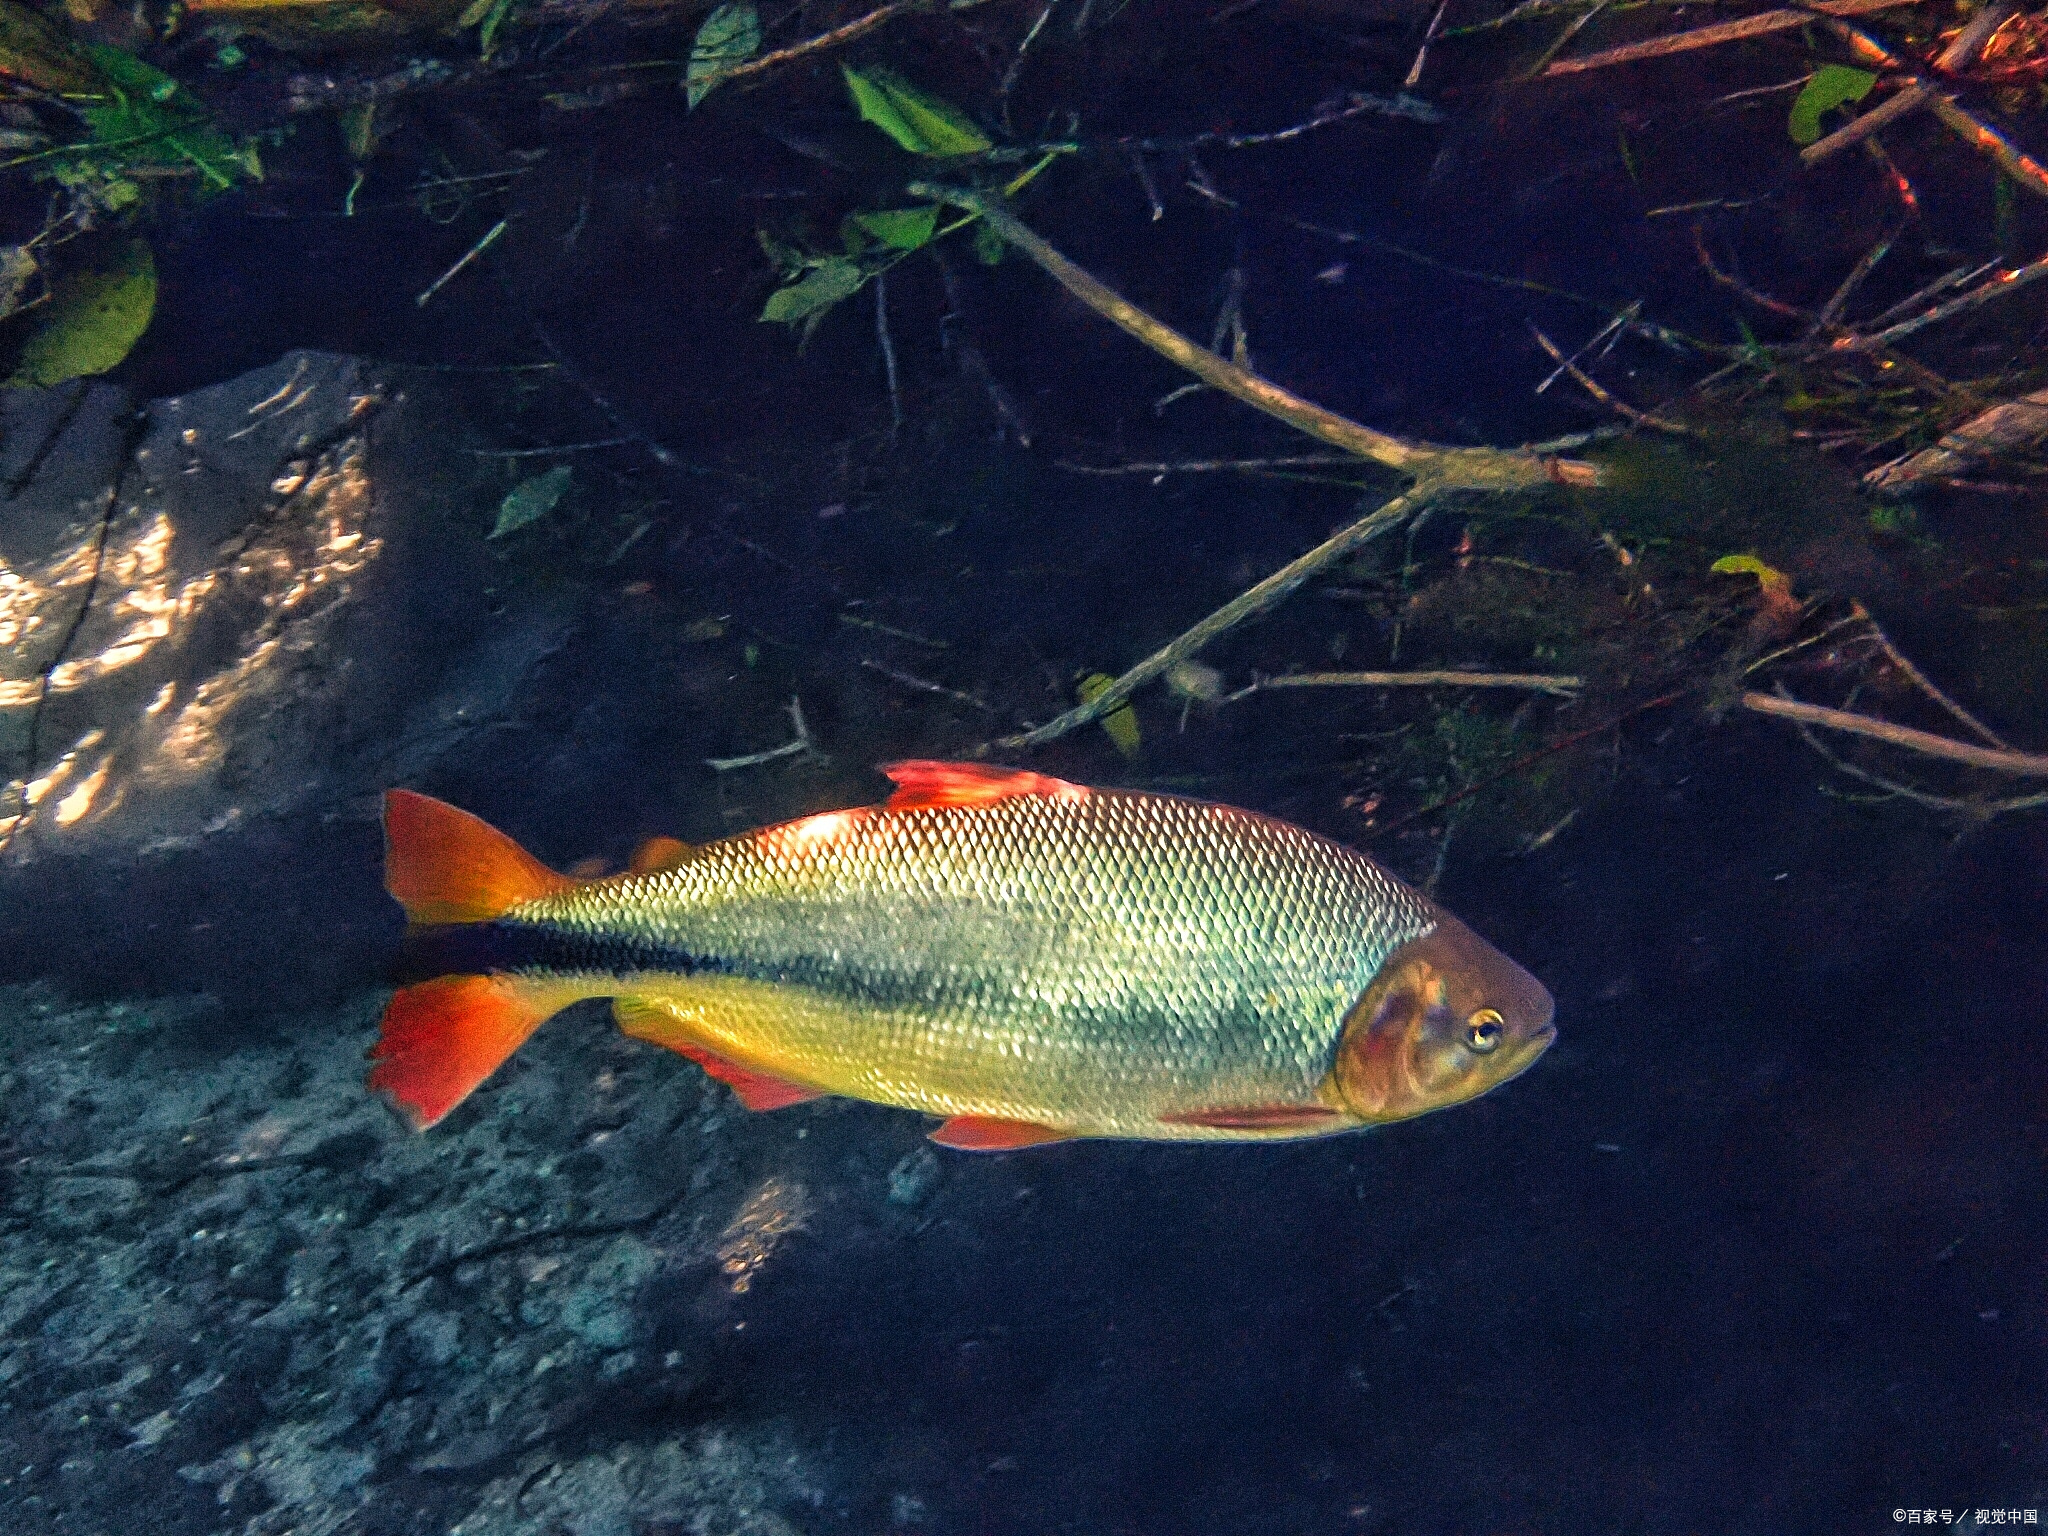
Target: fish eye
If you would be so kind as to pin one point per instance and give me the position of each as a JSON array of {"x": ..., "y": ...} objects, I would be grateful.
[{"x": 1483, "y": 1031}]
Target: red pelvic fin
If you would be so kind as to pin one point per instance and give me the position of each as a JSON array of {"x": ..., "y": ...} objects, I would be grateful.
[
  {"x": 1257, "y": 1117},
  {"x": 659, "y": 853},
  {"x": 922, "y": 784},
  {"x": 658, "y": 1026},
  {"x": 982, "y": 1133},
  {"x": 443, "y": 1037},
  {"x": 447, "y": 866}
]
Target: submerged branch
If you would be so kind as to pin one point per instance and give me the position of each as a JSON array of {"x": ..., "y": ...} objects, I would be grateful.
[
  {"x": 1540, "y": 682},
  {"x": 1719, "y": 32},
  {"x": 2031, "y": 765},
  {"x": 1247, "y": 604},
  {"x": 1491, "y": 469}
]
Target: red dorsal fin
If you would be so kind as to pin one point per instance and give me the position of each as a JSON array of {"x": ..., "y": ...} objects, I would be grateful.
[
  {"x": 922, "y": 784},
  {"x": 983, "y": 1133},
  {"x": 443, "y": 1037},
  {"x": 659, "y": 853},
  {"x": 1257, "y": 1117},
  {"x": 657, "y": 1025},
  {"x": 447, "y": 866}
]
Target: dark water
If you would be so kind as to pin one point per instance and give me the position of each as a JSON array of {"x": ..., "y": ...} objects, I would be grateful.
[{"x": 1757, "y": 1246}]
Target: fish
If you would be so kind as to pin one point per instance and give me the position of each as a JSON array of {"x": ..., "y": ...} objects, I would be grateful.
[{"x": 1030, "y": 959}]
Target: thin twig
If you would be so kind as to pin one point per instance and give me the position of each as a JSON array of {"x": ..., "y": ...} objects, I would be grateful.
[
  {"x": 1606, "y": 398},
  {"x": 2023, "y": 168},
  {"x": 1436, "y": 24},
  {"x": 541, "y": 453},
  {"x": 1248, "y": 604},
  {"x": 1579, "y": 24},
  {"x": 2011, "y": 280},
  {"x": 1736, "y": 285},
  {"x": 1211, "y": 466},
  {"x": 1925, "y": 296},
  {"x": 1920, "y": 680},
  {"x": 1831, "y": 312},
  {"x": 925, "y": 685},
  {"x": 490, "y": 239},
  {"x": 2031, "y": 765},
  {"x": 800, "y": 744},
  {"x": 1541, "y": 682},
  {"x": 1017, "y": 64},
  {"x": 1968, "y": 805},
  {"x": 859, "y": 27},
  {"x": 888, "y": 354}
]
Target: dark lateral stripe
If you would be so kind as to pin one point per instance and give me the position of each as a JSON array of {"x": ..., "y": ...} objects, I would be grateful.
[{"x": 474, "y": 949}]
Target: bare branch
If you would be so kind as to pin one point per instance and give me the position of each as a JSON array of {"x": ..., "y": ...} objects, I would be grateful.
[
  {"x": 1247, "y": 604},
  {"x": 2032, "y": 765},
  {"x": 1491, "y": 469},
  {"x": 1540, "y": 682}
]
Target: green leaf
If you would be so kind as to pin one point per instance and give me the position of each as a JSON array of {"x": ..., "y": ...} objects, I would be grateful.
[
  {"x": 494, "y": 20},
  {"x": 143, "y": 117},
  {"x": 94, "y": 319},
  {"x": 1120, "y": 723},
  {"x": 531, "y": 500},
  {"x": 730, "y": 35},
  {"x": 808, "y": 298},
  {"x": 988, "y": 245},
  {"x": 1770, "y": 578},
  {"x": 1832, "y": 86},
  {"x": 918, "y": 121},
  {"x": 901, "y": 229}
]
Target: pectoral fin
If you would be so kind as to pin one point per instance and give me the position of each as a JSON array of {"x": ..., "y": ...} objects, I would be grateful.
[
  {"x": 659, "y": 1026},
  {"x": 982, "y": 1133}
]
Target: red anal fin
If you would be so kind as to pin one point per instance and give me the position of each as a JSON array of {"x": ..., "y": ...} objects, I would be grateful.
[
  {"x": 922, "y": 784},
  {"x": 1255, "y": 1117},
  {"x": 658, "y": 1026},
  {"x": 756, "y": 1090},
  {"x": 982, "y": 1133},
  {"x": 447, "y": 866},
  {"x": 442, "y": 1038},
  {"x": 659, "y": 853}
]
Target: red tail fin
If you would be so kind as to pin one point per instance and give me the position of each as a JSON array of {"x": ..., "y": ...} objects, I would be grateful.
[
  {"x": 447, "y": 866},
  {"x": 444, "y": 1037}
]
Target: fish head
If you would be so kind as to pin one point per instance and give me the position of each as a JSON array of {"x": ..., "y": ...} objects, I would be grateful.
[{"x": 1446, "y": 1017}]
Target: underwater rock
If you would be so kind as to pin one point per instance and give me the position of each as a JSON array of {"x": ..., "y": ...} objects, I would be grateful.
[
  {"x": 175, "y": 583},
  {"x": 227, "y": 620},
  {"x": 287, "y": 1312}
]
